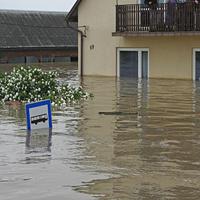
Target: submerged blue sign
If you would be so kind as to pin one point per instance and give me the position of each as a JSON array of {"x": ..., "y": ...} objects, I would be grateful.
[{"x": 38, "y": 115}]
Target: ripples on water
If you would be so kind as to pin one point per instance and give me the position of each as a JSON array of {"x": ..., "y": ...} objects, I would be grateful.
[{"x": 145, "y": 145}]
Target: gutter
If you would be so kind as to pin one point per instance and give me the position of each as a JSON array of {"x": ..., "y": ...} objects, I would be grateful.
[
  {"x": 82, "y": 34},
  {"x": 36, "y": 48}
]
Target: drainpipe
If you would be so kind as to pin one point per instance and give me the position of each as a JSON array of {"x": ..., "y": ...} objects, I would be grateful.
[{"x": 82, "y": 34}]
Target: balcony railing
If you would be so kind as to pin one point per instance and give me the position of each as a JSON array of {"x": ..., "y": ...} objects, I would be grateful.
[{"x": 177, "y": 17}]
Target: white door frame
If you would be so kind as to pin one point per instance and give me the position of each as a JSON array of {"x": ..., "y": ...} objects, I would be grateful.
[
  {"x": 139, "y": 50},
  {"x": 194, "y": 62}
]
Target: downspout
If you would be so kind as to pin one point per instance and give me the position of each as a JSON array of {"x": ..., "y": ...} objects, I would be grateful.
[{"x": 82, "y": 34}]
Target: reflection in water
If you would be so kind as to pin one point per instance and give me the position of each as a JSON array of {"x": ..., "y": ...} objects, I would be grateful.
[
  {"x": 38, "y": 140},
  {"x": 152, "y": 154},
  {"x": 38, "y": 146},
  {"x": 133, "y": 140}
]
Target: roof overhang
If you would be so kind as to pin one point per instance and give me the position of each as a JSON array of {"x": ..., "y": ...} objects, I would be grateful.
[
  {"x": 39, "y": 48},
  {"x": 72, "y": 16},
  {"x": 178, "y": 33}
]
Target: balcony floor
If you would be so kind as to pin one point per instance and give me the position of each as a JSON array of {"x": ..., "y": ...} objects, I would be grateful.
[{"x": 147, "y": 33}]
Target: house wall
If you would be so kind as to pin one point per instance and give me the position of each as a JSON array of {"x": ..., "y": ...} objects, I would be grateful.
[
  {"x": 99, "y": 47},
  {"x": 170, "y": 56},
  {"x": 20, "y": 55}
]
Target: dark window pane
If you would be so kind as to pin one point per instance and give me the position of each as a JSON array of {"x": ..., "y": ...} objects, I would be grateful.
[
  {"x": 144, "y": 64},
  {"x": 129, "y": 64},
  {"x": 197, "y": 65}
]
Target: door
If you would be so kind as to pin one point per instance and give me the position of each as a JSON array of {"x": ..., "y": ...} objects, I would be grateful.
[
  {"x": 133, "y": 63},
  {"x": 129, "y": 64},
  {"x": 197, "y": 64},
  {"x": 144, "y": 63}
]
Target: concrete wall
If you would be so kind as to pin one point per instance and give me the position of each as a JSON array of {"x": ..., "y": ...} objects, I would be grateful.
[{"x": 169, "y": 56}]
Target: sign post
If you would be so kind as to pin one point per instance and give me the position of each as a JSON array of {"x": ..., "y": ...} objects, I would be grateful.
[{"x": 38, "y": 115}]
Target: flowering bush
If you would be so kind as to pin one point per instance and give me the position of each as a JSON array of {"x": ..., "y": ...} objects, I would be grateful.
[{"x": 27, "y": 84}]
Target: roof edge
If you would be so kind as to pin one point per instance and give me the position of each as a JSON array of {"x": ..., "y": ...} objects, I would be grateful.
[
  {"x": 72, "y": 15},
  {"x": 16, "y": 11},
  {"x": 36, "y": 48}
]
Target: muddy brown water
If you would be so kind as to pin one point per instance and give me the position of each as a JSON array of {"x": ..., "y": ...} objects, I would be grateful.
[{"x": 134, "y": 140}]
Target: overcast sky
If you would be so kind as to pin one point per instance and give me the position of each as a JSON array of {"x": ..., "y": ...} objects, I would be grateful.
[{"x": 49, "y": 5}]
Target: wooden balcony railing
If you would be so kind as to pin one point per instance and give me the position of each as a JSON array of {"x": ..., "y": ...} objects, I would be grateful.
[{"x": 177, "y": 17}]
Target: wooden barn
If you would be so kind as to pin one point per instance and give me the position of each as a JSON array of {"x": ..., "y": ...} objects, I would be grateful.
[{"x": 36, "y": 36}]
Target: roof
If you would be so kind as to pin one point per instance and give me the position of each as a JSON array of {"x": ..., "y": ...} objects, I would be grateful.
[
  {"x": 35, "y": 29},
  {"x": 72, "y": 16}
]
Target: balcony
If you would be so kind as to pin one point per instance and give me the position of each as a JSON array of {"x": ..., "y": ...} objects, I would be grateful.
[{"x": 161, "y": 19}]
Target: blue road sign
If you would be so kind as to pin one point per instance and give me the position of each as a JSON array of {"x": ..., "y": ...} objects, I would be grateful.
[{"x": 38, "y": 115}]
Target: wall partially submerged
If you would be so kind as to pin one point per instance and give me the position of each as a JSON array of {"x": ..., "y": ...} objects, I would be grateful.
[
  {"x": 36, "y": 34},
  {"x": 169, "y": 56}
]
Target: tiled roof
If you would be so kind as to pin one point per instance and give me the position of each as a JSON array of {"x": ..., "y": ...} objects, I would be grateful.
[{"x": 33, "y": 29}]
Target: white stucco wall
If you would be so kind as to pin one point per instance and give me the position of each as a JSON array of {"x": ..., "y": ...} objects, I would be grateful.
[
  {"x": 99, "y": 17},
  {"x": 170, "y": 56}
]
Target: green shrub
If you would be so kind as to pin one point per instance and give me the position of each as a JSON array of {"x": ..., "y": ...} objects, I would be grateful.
[
  {"x": 1, "y": 75},
  {"x": 27, "y": 84}
]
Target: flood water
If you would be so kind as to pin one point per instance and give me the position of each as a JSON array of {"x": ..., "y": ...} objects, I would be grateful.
[{"x": 134, "y": 140}]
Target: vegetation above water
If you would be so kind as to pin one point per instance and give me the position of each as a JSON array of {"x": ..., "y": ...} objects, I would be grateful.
[{"x": 28, "y": 84}]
